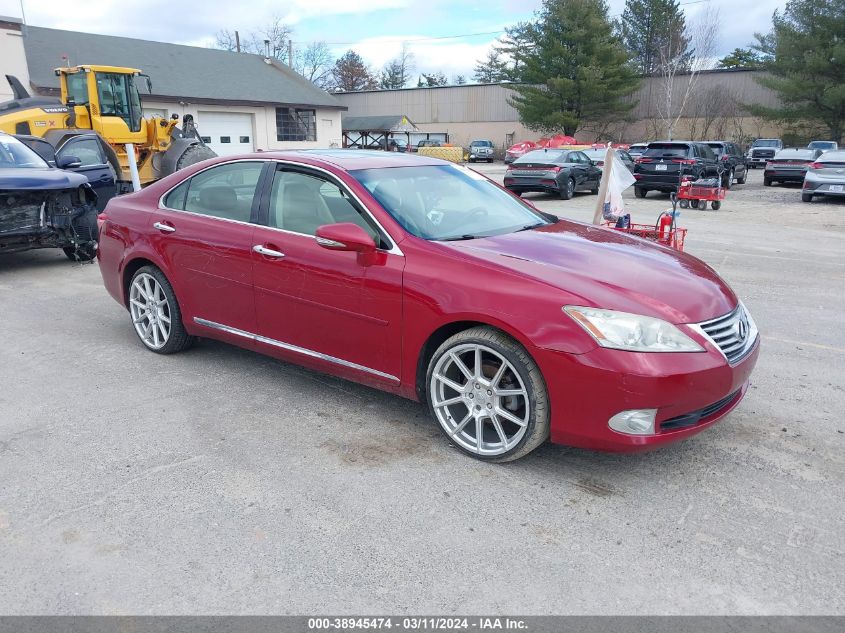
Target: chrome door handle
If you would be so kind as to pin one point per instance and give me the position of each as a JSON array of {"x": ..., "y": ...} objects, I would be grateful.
[
  {"x": 166, "y": 228},
  {"x": 269, "y": 252}
]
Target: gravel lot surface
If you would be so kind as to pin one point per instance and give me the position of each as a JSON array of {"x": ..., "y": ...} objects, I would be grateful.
[{"x": 221, "y": 481}]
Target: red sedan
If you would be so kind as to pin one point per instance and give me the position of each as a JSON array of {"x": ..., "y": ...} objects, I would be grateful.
[{"x": 427, "y": 280}]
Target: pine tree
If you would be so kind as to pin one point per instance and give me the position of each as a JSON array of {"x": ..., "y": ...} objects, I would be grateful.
[
  {"x": 490, "y": 70},
  {"x": 651, "y": 27},
  {"x": 577, "y": 71},
  {"x": 741, "y": 58},
  {"x": 806, "y": 61}
]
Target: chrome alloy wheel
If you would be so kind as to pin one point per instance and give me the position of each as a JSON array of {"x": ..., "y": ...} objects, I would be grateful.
[
  {"x": 150, "y": 311},
  {"x": 479, "y": 399}
]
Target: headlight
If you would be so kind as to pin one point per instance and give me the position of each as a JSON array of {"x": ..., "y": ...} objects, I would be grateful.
[{"x": 631, "y": 332}]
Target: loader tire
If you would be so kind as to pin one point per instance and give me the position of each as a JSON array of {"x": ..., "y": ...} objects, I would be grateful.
[{"x": 194, "y": 154}]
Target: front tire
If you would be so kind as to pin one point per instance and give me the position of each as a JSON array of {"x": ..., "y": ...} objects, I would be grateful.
[
  {"x": 488, "y": 395},
  {"x": 568, "y": 189},
  {"x": 155, "y": 312}
]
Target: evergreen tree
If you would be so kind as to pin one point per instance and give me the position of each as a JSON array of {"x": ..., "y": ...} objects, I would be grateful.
[
  {"x": 515, "y": 46},
  {"x": 397, "y": 72},
  {"x": 651, "y": 29},
  {"x": 806, "y": 62},
  {"x": 577, "y": 71},
  {"x": 492, "y": 69},
  {"x": 741, "y": 58}
]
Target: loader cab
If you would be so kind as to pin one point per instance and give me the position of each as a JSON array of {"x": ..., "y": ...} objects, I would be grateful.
[{"x": 106, "y": 100}]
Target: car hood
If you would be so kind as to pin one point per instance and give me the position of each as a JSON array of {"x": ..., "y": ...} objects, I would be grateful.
[
  {"x": 38, "y": 179},
  {"x": 604, "y": 268}
]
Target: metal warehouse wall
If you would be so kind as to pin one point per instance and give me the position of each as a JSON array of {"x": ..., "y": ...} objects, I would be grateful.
[{"x": 483, "y": 111}]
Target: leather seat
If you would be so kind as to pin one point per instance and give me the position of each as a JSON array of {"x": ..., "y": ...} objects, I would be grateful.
[
  {"x": 303, "y": 209},
  {"x": 222, "y": 201}
]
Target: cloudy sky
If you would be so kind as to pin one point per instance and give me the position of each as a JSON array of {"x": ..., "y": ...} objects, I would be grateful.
[{"x": 374, "y": 28}]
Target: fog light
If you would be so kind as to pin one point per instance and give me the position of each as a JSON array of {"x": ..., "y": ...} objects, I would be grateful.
[{"x": 634, "y": 422}]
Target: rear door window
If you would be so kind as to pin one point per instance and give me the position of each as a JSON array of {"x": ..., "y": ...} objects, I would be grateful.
[
  {"x": 225, "y": 191},
  {"x": 667, "y": 150}
]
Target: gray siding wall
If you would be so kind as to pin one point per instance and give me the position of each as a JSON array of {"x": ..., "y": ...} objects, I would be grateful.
[{"x": 489, "y": 103}]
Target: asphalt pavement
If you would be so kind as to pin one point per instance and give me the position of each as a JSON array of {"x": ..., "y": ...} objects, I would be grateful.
[{"x": 222, "y": 481}]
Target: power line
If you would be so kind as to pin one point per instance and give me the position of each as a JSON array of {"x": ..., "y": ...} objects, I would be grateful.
[{"x": 414, "y": 40}]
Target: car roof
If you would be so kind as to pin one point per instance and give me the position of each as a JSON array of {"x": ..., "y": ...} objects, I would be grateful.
[
  {"x": 347, "y": 159},
  {"x": 797, "y": 151}
]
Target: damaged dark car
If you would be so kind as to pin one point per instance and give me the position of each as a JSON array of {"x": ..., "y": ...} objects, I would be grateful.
[{"x": 42, "y": 206}]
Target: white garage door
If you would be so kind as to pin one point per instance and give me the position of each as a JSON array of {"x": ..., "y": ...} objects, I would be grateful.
[{"x": 226, "y": 133}]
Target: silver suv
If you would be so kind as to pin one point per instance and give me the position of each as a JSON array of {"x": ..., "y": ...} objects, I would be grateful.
[{"x": 481, "y": 150}]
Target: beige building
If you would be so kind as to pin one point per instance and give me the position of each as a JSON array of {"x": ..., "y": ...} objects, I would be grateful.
[
  {"x": 241, "y": 102},
  {"x": 715, "y": 109}
]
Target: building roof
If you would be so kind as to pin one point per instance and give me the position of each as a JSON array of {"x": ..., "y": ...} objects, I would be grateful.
[
  {"x": 385, "y": 123},
  {"x": 177, "y": 71}
]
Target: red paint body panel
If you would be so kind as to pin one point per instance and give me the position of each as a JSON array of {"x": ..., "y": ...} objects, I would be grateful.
[{"x": 368, "y": 317}]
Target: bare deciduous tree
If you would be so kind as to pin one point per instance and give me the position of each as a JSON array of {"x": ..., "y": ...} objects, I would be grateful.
[
  {"x": 271, "y": 39},
  {"x": 315, "y": 62},
  {"x": 678, "y": 75}
]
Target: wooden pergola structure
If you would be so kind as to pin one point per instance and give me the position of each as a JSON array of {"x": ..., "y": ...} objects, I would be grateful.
[{"x": 374, "y": 132}]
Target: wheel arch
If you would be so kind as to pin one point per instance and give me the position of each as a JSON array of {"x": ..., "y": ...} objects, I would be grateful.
[
  {"x": 445, "y": 331},
  {"x": 129, "y": 269}
]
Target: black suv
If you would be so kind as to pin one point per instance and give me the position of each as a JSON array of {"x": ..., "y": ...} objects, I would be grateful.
[
  {"x": 665, "y": 163},
  {"x": 734, "y": 163}
]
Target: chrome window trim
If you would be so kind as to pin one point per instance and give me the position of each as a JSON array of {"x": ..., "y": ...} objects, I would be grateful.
[
  {"x": 293, "y": 348},
  {"x": 161, "y": 198},
  {"x": 393, "y": 250}
]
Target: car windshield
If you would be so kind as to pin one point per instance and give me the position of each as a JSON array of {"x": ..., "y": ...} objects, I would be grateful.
[
  {"x": 765, "y": 143},
  {"x": 481, "y": 144},
  {"x": 822, "y": 145},
  {"x": 447, "y": 202},
  {"x": 666, "y": 150},
  {"x": 15, "y": 154},
  {"x": 542, "y": 156}
]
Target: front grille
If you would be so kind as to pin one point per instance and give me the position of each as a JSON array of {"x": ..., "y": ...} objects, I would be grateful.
[
  {"x": 762, "y": 153},
  {"x": 694, "y": 417},
  {"x": 734, "y": 333}
]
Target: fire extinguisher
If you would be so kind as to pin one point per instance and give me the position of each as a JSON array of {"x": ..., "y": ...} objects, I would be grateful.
[{"x": 665, "y": 223}]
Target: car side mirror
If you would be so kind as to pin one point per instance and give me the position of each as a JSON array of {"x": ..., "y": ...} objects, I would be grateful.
[
  {"x": 68, "y": 162},
  {"x": 345, "y": 236}
]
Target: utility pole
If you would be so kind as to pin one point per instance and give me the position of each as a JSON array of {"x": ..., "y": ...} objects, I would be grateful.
[
  {"x": 237, "y": 41},
  {"x": 290, "y": 53}
]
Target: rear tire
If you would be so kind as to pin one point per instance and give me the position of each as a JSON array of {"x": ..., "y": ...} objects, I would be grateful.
[
  {"x": 489, "y": 361},
  {"x": 806, "y": 197},
  {"x": 154, "y": 309},
  {"x": 639, "y": 192},
  {"x": 84, "y": 253},
  {"x": 568, "y": 190},
  {"x": 684, "y": 204},
  {"x": 741, "y": 181},
  {"x": 767, "y": 182},
  {"x": 729, "y": 180},
  {"x": 194, "y": 154},
  {"x": 716, "y": 204},
  {"x": 693, "y": 204}
]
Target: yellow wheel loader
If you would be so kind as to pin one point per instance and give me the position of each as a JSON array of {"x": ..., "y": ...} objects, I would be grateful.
[{"x": 105, "y": 99}]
